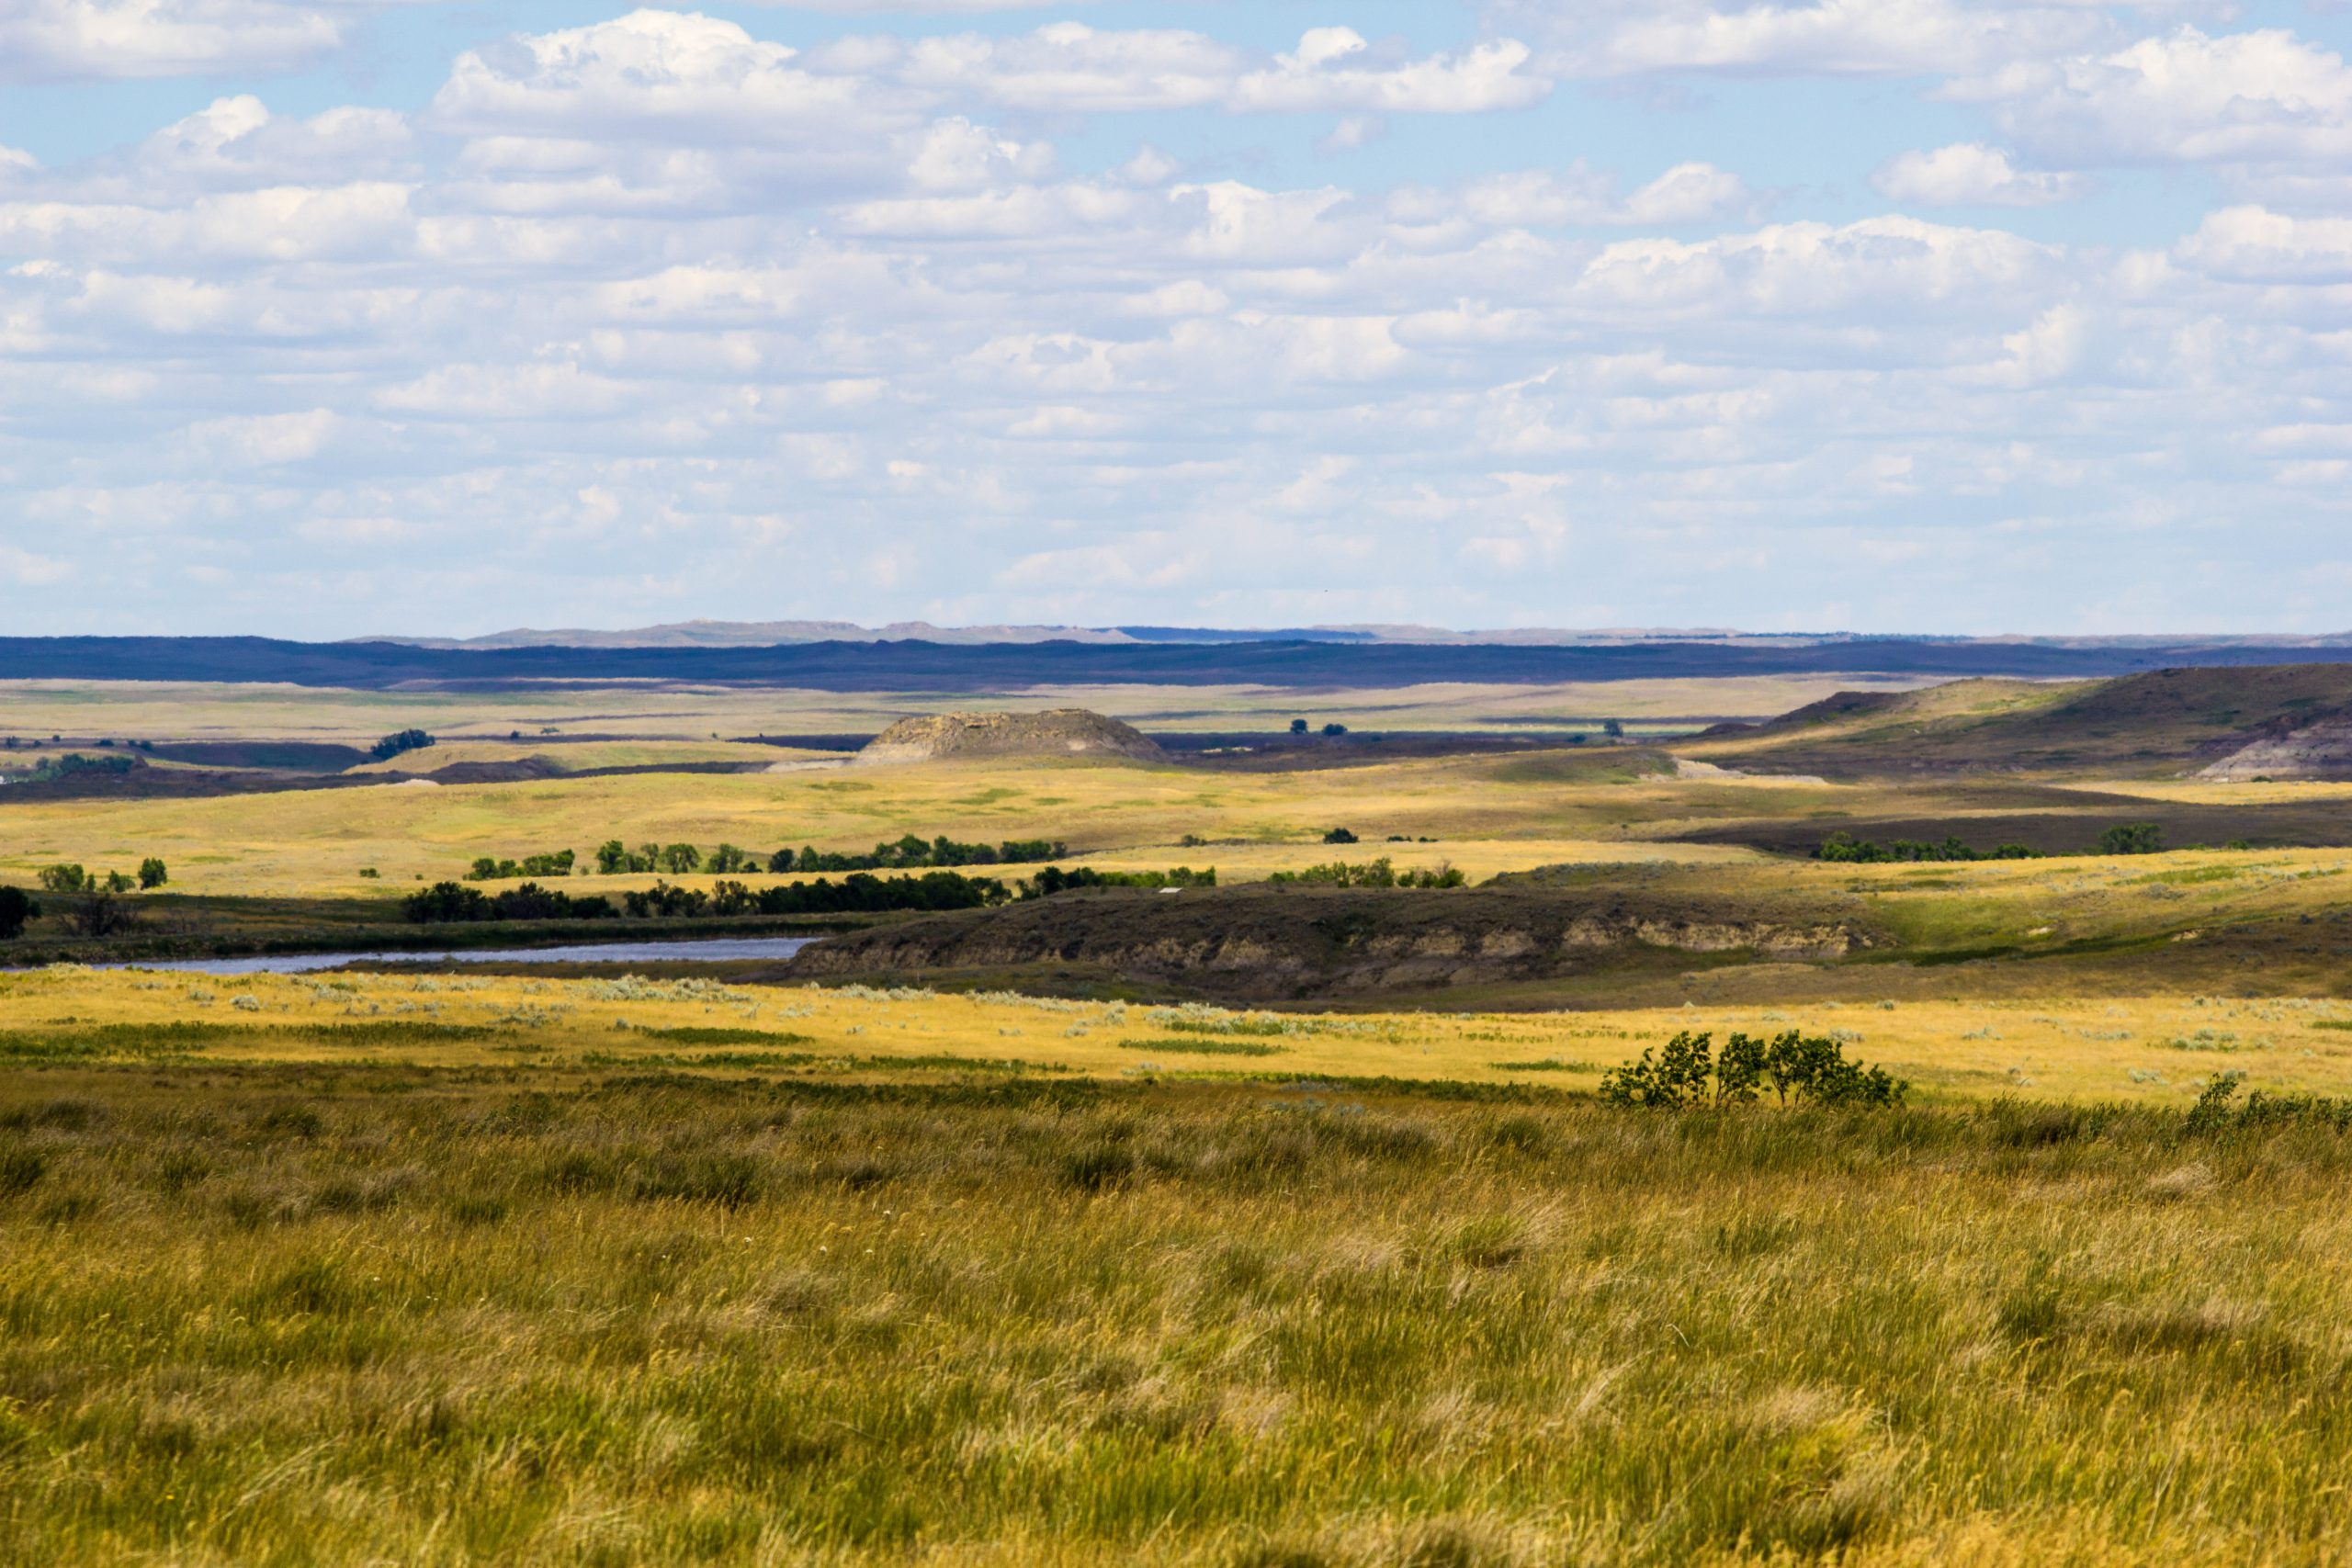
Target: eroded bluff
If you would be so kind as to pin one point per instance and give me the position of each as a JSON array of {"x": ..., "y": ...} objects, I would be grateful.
[{"x": 1296, "y": 942}]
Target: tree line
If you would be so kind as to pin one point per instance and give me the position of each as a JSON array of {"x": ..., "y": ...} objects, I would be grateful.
[
  {"x": 1380, "y": 873},
  {"x": 449, "y": 902},
  {"x": 97, "y": 908},
  {"x": 614, "y": 857},
  {"x": 2123, "y": 839}
]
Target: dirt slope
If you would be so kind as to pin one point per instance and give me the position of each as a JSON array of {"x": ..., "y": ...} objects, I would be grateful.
[{"x": 1286, "y": 943}]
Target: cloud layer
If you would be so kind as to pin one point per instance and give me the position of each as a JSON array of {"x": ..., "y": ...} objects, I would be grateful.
[{"x": 656, "y": 315}]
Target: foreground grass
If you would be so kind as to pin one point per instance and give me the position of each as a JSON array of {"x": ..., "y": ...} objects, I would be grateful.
[{"x": 300, "y": 1314}]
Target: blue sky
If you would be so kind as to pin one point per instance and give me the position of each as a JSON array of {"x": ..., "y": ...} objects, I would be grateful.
[{"x": 319, "y": 318}]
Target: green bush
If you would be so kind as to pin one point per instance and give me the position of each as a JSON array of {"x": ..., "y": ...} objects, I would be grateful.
[
  {"x": 1798, "y": 1069},
  {"x": 2133, "y": 839}
]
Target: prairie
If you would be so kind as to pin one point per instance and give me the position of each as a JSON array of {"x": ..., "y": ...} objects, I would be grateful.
[
  {"x": 1083, "y": 1260},
  {"x": 313, "y": 842},
  {"x": 353, "y": 1308},
  {"x": 653, "y": 711}
]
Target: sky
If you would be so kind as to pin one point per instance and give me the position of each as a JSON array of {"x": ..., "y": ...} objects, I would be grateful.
[{"x": 324, "y": 318}]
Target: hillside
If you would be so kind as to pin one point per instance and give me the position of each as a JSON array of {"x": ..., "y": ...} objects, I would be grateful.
[
  {"x": 2275, "y": 721},
  {"x": 1060, "y": 732}
]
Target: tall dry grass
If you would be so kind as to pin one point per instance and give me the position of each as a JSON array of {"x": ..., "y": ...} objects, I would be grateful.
[{"x": 319, "y": 1313}]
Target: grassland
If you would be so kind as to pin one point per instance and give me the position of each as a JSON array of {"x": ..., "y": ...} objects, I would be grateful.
[
  {"x": 350, "y": 1311},
  {"x": 725, "y": 1267},
  {"x": 316, "y": 842}
]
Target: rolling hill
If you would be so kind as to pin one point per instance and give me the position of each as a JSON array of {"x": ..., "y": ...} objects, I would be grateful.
[{"x": 2273, "y": 721}]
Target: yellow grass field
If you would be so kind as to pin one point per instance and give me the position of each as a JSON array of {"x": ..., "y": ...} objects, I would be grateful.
[
  {"x": 316, "y": 841},
  {"x": 2148, "y": 1050}
]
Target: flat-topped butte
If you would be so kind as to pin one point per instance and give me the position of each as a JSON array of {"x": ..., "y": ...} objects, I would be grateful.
[{"x": 1054, "y": 733}]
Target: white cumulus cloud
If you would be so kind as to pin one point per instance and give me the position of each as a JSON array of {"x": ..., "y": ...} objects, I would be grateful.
[{"x": 1968, "y": 174}]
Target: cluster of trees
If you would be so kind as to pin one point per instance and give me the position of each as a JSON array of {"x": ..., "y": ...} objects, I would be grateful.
[
  {"x": 72, "y": 878},
  {"x": 1799, "y": 1069},
  {"x": 450, "y": 902},
  {"x": 1053, "y": 879},
  {"x": 2125, "y": 839},
  {"x": 1845, "y": 848},
  {"x": 98, "y": 908},
  {"x": 1374, "y": 873},
  {"x": 78, "y": 764},
  {"x": 614, "y": 857},
  {"x": 857, "y": 892},
  {"x": 490, "y": 869},
  {"x": 392, "y": 746},
  {"x": 909, "y": 853},
  {"x": 1298, "y": 726}
]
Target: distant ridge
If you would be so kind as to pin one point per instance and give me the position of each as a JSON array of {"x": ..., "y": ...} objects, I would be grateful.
[
  {"x": 762, "y": 634},
  {"x": 779, "y": 634},
  {"x": 1002, "y": 667}
]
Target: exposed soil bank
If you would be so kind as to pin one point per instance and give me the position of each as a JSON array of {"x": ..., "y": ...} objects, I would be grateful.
[{"x": 1285, "y": 942}]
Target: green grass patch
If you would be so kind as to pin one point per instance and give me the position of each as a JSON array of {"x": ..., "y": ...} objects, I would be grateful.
[
  {"x": 1203, "y": 1046},
  {"x": 774, "y": 1038},
  {"x": 1545, "y": 1064}
]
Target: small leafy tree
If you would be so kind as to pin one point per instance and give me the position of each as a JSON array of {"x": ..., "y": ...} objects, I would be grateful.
[
  {"x": 64, "y": 878},
  {"x": 1297, "y": 726},
  {"x": 1339, "y": 835},
  {"x": 681, "y": 858},
  {"x": 611, "y": 857},
  {"x": 152, "y": 873},
  {"x": 17, "y": 907},
  {"x": 1613, "y": 729},
  {"x": 2133, "y": 839},
  {"x": 1335, "y": 730},
  {"x": 727, "y": 858}
]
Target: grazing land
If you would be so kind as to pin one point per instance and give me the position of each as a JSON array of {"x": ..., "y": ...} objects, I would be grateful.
[{"x": 1272, "y": 1218}]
